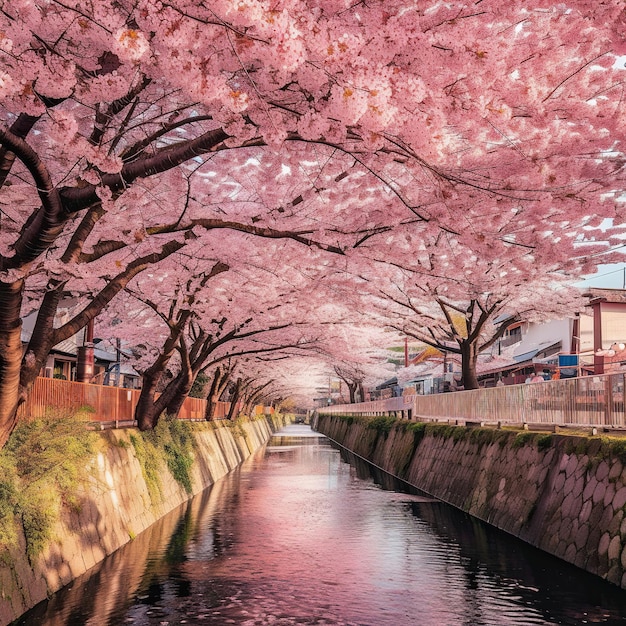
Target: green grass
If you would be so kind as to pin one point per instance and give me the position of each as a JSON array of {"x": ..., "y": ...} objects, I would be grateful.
[
  {"x": 382, "y": 424},
  {"x": 171, "y": 443},
  {"x": 478, "y": 436},
  {"x": 40, "y": 471},
  {"x": 523, "y": 439},
  {"x": 43, "y": 465}
]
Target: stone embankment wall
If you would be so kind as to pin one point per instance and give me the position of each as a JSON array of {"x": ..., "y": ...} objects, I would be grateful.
[
  {"x": 565, "y": 495},
  {"x": 116, "y": 505}
]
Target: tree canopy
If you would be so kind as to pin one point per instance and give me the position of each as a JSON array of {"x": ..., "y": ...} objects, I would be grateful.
[{"x": 358, "y": 133}]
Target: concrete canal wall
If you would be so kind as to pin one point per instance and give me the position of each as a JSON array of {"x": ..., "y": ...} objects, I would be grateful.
[
  {"x": 118, "y": 500},
  {"x": 565, "y": 495}
]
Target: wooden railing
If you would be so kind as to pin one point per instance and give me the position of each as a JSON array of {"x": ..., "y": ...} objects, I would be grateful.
[
  {"x": 109, "y": 404},
  {"x": 585, "y": 401}
]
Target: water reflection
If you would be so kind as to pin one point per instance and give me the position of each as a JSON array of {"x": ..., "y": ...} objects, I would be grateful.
[
  {"x": 299, "y": 536},
  {"x": 554, "y": 587}
]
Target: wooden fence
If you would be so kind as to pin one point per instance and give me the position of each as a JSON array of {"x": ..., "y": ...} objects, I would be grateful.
[
  {"x": 585, "y": 401},
  {"x": 109, "y": 404}
]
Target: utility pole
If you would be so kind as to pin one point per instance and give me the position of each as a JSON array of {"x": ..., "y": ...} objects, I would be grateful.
[{"x": 85, "y": 361}]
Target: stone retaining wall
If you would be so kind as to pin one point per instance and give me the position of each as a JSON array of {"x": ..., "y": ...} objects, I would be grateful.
[
  {"x": 565, "y": 495},
  {"x": 115, "y": 506}
]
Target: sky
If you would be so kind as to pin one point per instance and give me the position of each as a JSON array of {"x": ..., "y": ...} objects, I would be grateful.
[{"x": 608, "y": 276}]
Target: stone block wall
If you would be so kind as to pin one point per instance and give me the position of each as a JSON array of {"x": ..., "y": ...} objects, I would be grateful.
[
  {"x": 116, "y": 506},
  {"x": 565, "y": 495}
]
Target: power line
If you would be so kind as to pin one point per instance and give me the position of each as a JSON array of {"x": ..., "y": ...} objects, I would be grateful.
[{"x": 619, "y": 271}]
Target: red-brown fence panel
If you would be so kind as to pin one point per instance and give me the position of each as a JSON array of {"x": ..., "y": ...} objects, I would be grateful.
[{"x": 109, "y": 404}]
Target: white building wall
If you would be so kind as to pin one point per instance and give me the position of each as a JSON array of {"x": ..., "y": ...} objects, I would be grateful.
[{"x": 552, "y": 331}]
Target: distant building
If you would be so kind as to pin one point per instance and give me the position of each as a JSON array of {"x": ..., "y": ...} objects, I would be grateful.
[
  {"x": 604, "y": 329},
  {"x": 389, "y": 389},
  {"x": 62, "y": 362},
  {"x": 591, "y": 342},
  {"x": 530, "y": 347}
]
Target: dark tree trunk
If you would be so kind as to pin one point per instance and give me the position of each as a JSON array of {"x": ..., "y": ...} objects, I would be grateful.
[
  {"x": 469, "y": 355},
  {"x": 42, "y": 339},
  {"x": 183, "y": 385},
  {"x": 254, "y": 396},
  {"x": 352, "y": 387},
  {"x": 235, "y": 399},
  {"x": 212, "y": 397},
  {"x": 146, "y": 409},
  {"x": 11, "y": 394},
  {"x": 14, "y": 391},
  {"x": 361, "y": 393},
  {"x": 218, "y": 386},
  {"x": 148, "y": 415}
]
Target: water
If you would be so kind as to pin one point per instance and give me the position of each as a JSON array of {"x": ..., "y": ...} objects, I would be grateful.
[{"x": 297, "y": 535}]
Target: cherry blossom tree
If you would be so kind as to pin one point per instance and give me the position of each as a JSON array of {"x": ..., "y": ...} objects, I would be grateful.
[
  {"x": 450, "y": 116},
  {"x": 353, "y": 378},
  {"x": 449, "y": 298},
  {"x": 200, "y": 315},
  {"x": 358, "y": 353}
]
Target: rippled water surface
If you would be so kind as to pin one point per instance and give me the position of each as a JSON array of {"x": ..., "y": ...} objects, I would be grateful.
[{"x": 298, "y": 535}]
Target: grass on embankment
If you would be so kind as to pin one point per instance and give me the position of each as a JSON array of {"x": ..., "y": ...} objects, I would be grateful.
[
  {"x": 172, "y": 443},
  {"x": 579, "y": 442},
  {"x": 40, "y": 469}
]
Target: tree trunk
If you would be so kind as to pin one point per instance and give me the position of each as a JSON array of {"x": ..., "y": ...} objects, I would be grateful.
[
  {"x": 469, "y": 355},
  {"x": 146, "y": 409},
  {"x": 42, "y": 338},
  {"x": 218, "y": 386},
  {"x": 254, "y": 396},
  {"x": 235, "y": 399},
  {"x": 184, "y": 383},
  {"x": 149, "y": 408},
  {"x": 213, "y": 397},
  {"x": 352, "y": 386},
  {"x": 11, "y": 395}
]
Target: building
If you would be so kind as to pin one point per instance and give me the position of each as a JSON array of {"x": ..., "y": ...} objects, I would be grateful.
[
  {"x": 109, "y": 367},
  {"x": 603, "y": 331},
  {"x": 592, "y": 342}
]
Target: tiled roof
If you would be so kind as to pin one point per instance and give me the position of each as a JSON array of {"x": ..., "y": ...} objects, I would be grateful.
[{"x": 606, "y": 295}]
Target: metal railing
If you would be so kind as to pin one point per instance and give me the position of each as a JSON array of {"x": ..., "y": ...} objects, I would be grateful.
[
  {"x": 109, "y": 404},
  {"x": 586, "y": 401}
]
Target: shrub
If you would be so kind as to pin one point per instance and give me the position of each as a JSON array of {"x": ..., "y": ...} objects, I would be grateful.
[
  {"x": 383, "y": 424},
  {"x": 544, "y": 442},
  {"x": 418, "y": 429},
  {"x": 614, "y": 447},
  {"x": 522, "y": 439}
]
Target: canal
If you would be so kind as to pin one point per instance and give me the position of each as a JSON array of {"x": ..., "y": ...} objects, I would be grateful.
[{"x": 303, "y": 534}]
